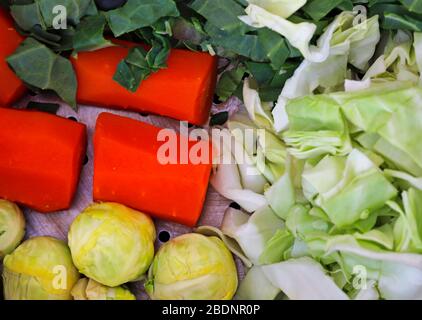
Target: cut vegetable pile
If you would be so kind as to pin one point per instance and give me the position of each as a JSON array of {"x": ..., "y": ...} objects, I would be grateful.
[
  {"x": 337, "y": 203},
  {"x": 318, "y": 103}
]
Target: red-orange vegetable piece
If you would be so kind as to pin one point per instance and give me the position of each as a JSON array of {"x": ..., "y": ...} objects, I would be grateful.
[
  {"x": 40, "y": 158},
  {"x": 182, "y": 91},
  {"x": 127, "y": 170},
  {"x": 11, "y": 87}
]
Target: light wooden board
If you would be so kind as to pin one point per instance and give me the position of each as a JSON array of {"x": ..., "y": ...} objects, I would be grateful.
[{"x": 57, "y": 224}]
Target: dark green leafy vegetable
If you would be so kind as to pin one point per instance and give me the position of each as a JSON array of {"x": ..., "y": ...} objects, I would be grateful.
[
  {"x": 27, "y": 16},
  {"x": 230, "y": 82},
  {"x": 318, "y": 9},
  {"x": 222, "y": 13},
  {"x": 394, "y": 21},
  {"x": 199, "y": 25},
  {"x": 140, "y": 63},
  {"x": 40, "y": 67},
  {"x": 137, "y": 14},
  {"x": 219, "y": 119},
  {"x": 75, "y": 9},
  {"x": 43, "y": 106},
  {"x": 89, "y": 34},
  {"x": 413, "y": 5}
]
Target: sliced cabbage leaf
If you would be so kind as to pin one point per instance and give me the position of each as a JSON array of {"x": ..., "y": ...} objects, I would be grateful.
[
  {"x": 277, "y": 248},
  {"x": 370, "y": 293},
  {"x": 252, "y": 235},
  {"x": 400, "y": 175},
  {"x": 281, "y": 196},
  {"x": 398, "y": 61},
  {"x": 303, "y": 225},
  {"x": 317, "y": 128},
  {"x": 418, "y": 52},
  {"x": 398, "y": 275},
  {"x": 256, "y": 286},
  {"x": 393, "y": 112},
  {"x": 348, "y": 43},
  {"x": 350, "y": 195},
  {"x": 230, "y": 243},
  {"x": 303, "y": 279},
  {"x": 259, "y": 112},
  {"x": 408, "y": 226},
  {"x": 227, "y": 179}
]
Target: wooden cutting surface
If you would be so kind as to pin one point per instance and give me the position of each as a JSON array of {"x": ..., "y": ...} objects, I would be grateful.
[{"x": 57, "y": 224}]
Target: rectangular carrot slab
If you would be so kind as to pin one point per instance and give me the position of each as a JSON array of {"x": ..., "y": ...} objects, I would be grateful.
[
  {"x": 182, "y": 91},
  {"x": 127, "y": 170},
  {"x": 11, "y": 88},
  {"x": 40, "y": 159}
]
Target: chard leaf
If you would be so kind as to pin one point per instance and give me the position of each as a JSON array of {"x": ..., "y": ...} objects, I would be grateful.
[
  {"x": 222, "y": 13},
  {"x": 219, "y": 119},
  {"x": 75, "y": 9},
  {"x": 394, "y": 21},
  {"x": 140, "y": 63},
  {"x": 89, "y": 34},
  {"x": 229, "y": 82},
  {"x": 282, "y": 8},
  {"x": 43, "y": 106},
  {"x": 40, "y": 67},
  {"x": 318, "y": 9},
  {"x": 247, "y": 45},
  {"x": 413, "y": 5},
  {"x": 137, "y": 14},
  {"x": 27, "y": 16}
]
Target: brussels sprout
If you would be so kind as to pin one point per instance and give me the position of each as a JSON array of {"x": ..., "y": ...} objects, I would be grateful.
[
  {"x": 88, "y": 289},
  {"x": 192, "y": 267},
  {"x": 12, "y": 227},
  {"x": 41, "y": 268},
  {"x": 111, "y": 243}
]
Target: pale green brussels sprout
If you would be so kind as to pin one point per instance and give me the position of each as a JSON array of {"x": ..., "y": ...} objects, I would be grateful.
[
  {"x": 111, "y": 243},
  {"x": 192, "y": 267},
  {"x": 40, "y": 268},
  {"x": 12, "y": 227},
  {"x": 88, "y": 289}
]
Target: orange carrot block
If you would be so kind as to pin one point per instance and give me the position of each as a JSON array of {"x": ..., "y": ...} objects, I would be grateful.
[
  {"x": 11, "y": 87},
  {"x": 127, "y": 170},
  {"x": 40, "y": 158},
  {"x": 183, "y": 91}
]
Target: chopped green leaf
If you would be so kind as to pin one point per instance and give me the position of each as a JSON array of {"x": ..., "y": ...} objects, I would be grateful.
[
  {"x": 223, "y": 14},
  {"x": 140, "y": 64},
  {"x": 43, "y": 106},
  {"x": 318, "y": 9},
  {"x": 89, "y": 34},
  {"x": 40, "y": 67},
  {"x": 219, "y": 119},
  {"x": 413, "y": 5},
  {"x": 395, "y": 21},
  {"x": 137, "y": 14},
  {"x": 229, "y": 82}
]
